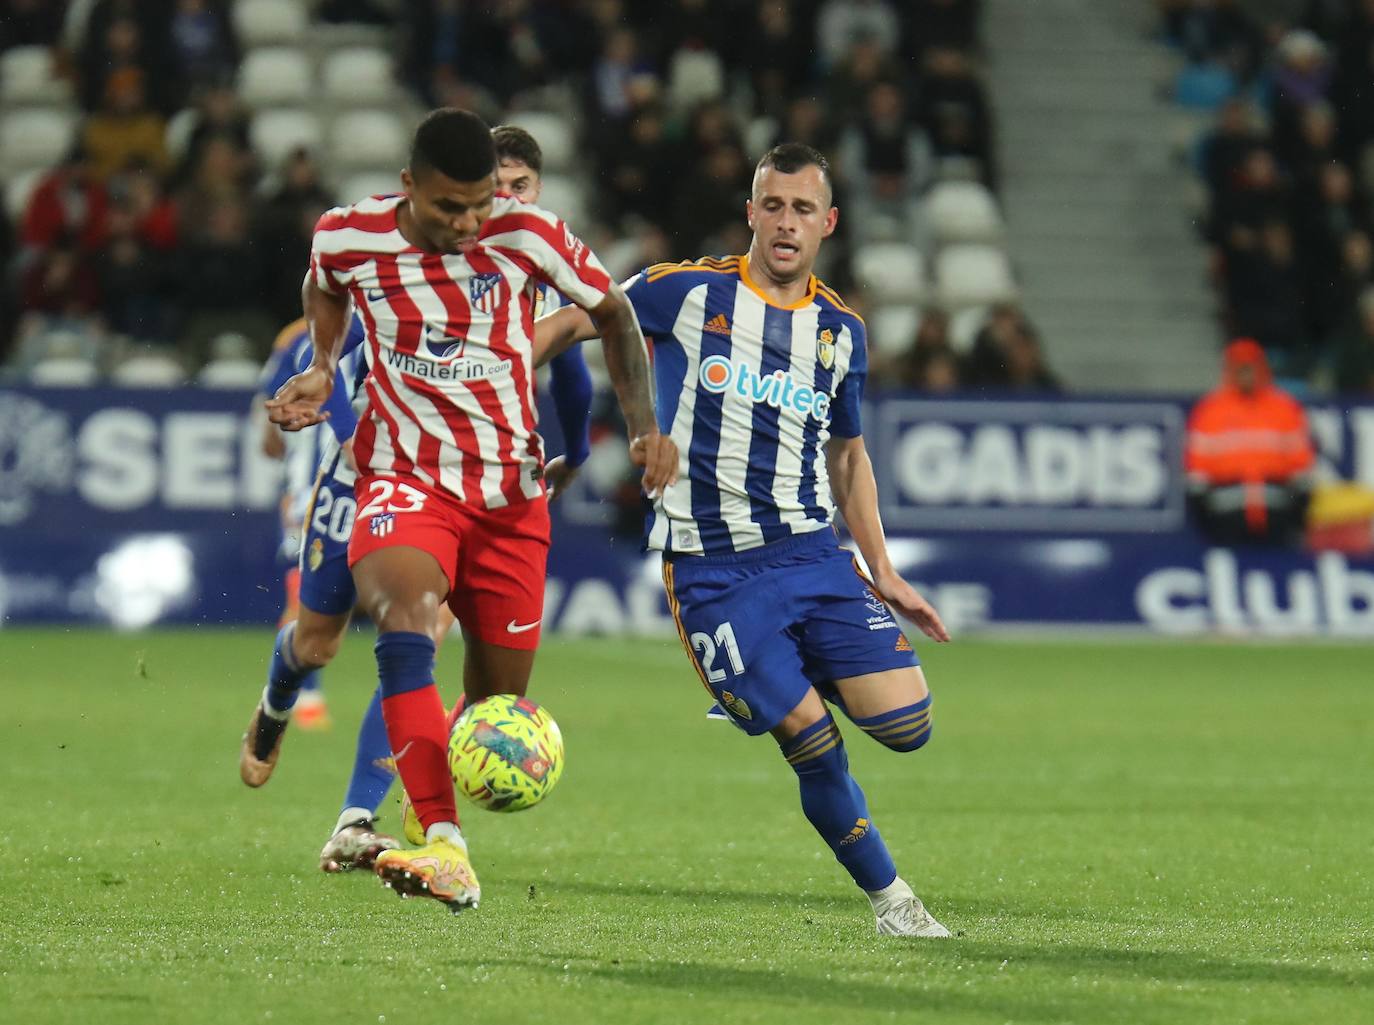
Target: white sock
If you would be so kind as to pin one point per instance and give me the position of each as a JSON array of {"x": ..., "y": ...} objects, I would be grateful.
[
  {"x": 445, "y": 831},
  {"x": 351, "y": 816},
  {"x": 271, "y": 712},
  {"x": 893, "y": 891}
]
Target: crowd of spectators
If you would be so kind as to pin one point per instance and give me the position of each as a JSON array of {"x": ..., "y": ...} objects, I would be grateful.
[
  {"x": 1288, "y": 166},
  {"x": 131, "y": 237}
]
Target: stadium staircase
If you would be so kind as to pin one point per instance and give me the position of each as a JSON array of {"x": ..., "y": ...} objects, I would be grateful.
[{"x": 1097, "y": 206}]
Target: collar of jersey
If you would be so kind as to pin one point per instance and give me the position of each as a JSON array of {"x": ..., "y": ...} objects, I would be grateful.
[{"x": 800, "y": 304}]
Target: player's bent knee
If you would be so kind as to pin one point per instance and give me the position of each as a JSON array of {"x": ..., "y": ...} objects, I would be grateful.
[
  {"x": 818, "y": 749},
  {"x": 317, "y": 637},
  {"x": 902, "y": 729},
  {"x": 316, "y": 648}
]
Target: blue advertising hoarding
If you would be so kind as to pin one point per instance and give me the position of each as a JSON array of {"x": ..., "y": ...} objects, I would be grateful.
[{"x": 138, "y": 507}]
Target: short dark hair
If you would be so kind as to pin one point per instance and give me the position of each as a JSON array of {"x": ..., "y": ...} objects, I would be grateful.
[
  {"x": 456, "y": 143},
  {"x": 791, "y": 157},
  {"x": 514, "y": 143}
]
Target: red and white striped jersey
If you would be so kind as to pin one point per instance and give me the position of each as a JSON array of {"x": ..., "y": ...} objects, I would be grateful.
[{"x": 449, "y": 341}]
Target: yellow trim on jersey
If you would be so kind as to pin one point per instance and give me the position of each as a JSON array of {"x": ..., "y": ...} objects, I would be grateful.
[
  {"x": 673, "y": 608},
  {"x": 834, "y": 297},
  {"x": 288, "y": 334},
  {"x": 800, "y": 304},
  {"x": 707, "y": 263}
]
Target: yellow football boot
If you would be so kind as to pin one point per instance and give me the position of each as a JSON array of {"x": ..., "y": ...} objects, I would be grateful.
[{"x": 441, "y": 870}]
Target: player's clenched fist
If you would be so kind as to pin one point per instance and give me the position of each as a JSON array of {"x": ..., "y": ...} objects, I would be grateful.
[
  {"x": 658, "y": 454},
  {"x": 297, "y": 403}
]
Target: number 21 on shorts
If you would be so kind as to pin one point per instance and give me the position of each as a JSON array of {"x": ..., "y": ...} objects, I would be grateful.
[{"x": 706, "y": 649}]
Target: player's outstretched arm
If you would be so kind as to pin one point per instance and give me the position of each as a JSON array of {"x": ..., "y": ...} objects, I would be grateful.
[
  {"x": 856, "y": 496},
  {"x": 627, "y": 362},
  {"x": 560, "y": 331},
  {"x": 297, "y": 403}
]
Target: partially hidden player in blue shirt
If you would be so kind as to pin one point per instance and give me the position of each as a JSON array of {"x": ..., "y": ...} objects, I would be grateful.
[
  {"x": 327, "y": 594},
  {"x": 759, "y": 370}
]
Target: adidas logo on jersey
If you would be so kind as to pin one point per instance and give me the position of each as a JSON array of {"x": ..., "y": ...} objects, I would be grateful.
[{"x": 718, "y": 325}]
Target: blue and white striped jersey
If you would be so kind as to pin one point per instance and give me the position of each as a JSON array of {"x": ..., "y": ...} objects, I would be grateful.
[
  {"x": 750, "y": 392},
  {"x": 316, "y": 449}
]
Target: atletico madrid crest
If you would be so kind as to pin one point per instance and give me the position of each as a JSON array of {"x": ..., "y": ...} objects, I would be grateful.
[
  {"x": 382, "y": 524},
  {"x": 484, "y": 290},
  {"x": 825, "y": 348}
]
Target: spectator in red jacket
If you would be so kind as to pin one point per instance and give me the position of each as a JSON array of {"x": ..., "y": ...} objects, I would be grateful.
[
  {"x": 69, "y": 202},
  {"x": 1249, "y": 456}
]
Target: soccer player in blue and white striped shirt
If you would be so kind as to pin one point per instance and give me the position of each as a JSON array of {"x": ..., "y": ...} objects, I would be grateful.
[{"x": 760, "y": 370}]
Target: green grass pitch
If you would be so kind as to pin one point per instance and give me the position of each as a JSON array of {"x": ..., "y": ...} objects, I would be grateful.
[{"x": 1136, "y": 833}]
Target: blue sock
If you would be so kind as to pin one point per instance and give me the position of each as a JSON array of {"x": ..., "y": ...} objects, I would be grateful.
[
  {"x": 835, "y": 805},
  {"x": 902, "y": 729},
  {"x": 285, "y": 677},
  {"x": 372, "y": 771}
]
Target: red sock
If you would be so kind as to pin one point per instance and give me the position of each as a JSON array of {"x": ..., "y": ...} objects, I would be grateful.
[{"x": 415, "y": 729}]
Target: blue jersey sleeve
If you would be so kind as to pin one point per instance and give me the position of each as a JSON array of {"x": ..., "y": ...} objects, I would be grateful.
[
  {"x": 571, "y": 384},
  {"x": 355, "y": 336},
  {"x": 845, "y": 418},
  {"x": 342, "y": 420},
  {"x": 653, "y": 303},
  {"x": 280, "y": 366}
]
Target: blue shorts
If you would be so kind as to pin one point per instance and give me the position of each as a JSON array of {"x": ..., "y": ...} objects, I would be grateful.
[
  {"x": 326, "y": 582},
  {"x": 765, "y": 625}
]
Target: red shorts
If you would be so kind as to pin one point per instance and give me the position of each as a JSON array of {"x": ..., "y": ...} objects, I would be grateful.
[{"x": 496, "y": 560}]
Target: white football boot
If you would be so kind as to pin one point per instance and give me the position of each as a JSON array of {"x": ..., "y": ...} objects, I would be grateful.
[{"x": 899, "y": 912}]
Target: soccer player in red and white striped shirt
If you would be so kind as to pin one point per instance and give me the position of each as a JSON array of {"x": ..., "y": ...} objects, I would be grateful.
[{"x": 450, "y": 497}]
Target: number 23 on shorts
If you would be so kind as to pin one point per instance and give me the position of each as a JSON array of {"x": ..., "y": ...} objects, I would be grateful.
[{"x": 381, "y": 494}]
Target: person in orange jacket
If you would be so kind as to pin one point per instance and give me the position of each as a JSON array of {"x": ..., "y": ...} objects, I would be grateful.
[{"x": 1249, "y": 455}]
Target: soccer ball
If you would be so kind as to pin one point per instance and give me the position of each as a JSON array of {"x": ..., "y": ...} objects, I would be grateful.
[{"x": 506, "y": 753}]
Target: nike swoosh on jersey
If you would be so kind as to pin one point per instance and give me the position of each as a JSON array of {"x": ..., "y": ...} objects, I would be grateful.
[{"x": 514, "y": 628}]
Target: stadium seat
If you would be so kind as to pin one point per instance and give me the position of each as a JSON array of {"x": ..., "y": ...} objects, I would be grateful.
[
  {"x": 263, "y": 22},
  {"x": 694, "y": 77},
  {"x": 230, "y": 374},
  {"x": 34, "y": 137},
  {"x": 562, "y": 195},
  {"x": 972, "y": 275},
  {"x": 18, "y": 190},
  {"x": 273, "y": 75},
  {"x": 963, "y": 212},
  {"x": 148, "y": 370},
  {"x": 357, "y": 74},
  {"x": 554, "y": 134},
  {"x": 377, "y": 182},
  {"x": 63, "y": 372},
  {"x": 28, "y": 74},
  {"x": 891, "y": 272},
  {"x": 368, "y": 138},
  {"x": 275, "y": 133},
  {"x": 759, "y": 135},
  {"x": 892, "y": 329},
  {"x": 177, "y": 137},
  {"x": 964, "y": 326}
]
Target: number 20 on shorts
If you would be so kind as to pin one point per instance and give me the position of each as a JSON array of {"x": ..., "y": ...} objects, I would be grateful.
[{"x": 706, "y": 649}]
